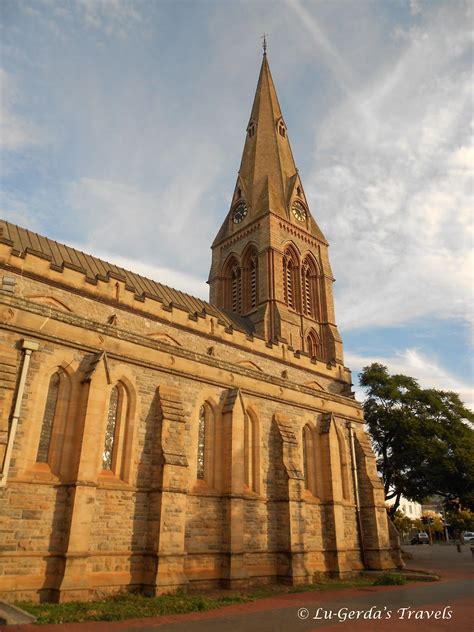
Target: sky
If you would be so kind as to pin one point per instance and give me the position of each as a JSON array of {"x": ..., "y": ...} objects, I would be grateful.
[{"x": 123, "y": 123}]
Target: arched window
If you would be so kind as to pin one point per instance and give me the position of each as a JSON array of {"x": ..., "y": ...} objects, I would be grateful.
[
  {"x": 116, "y": 447},
  {"x": 309, "y": 288},
  {"x": 250, "y": 284},
  {"x": 290, "y": 267},
  {"x": 233, "y": 285},
  {"x": 313, "y": 344},
  {"x": 236, "y": 277},
  {"x": 344, "y": 463},
  {"x": 281, "y": 128},
  {"x": 206, "y": 441},
  {"x": 201, "y": 450},
  {"x": 251, "y": 451},
  {"x": 253, "y": 281},
  {"x": 110, "y": 430},
  {"x": 308, "y": 459},
  {"x": 49, "y": 416}
]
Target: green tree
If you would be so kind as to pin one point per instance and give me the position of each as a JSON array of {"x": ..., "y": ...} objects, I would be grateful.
[
  {"x": 462, "y": 520},
  {"x": 422, "y": 438},
  {"x": 403, "y": 523}
]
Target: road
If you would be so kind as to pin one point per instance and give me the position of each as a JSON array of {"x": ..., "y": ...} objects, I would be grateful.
[{"x": 434, "y": 606}]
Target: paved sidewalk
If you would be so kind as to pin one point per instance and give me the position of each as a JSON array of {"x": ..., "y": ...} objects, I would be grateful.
[{"x": 434, "y": 606}]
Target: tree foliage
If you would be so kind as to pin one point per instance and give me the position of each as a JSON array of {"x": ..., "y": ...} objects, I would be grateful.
[
  {"x": 423, "y": 438},
  {"x": 403, "y": 523},
  {"x": 462, "y": 520}
]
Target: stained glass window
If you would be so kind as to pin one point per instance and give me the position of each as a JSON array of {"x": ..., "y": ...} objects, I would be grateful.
[
  {"x": 305, "y": 459},
  {"x": 201, "y": 442},
  {"x": 48, "y": 419},
  {"x": 108, "y": 453},
  {"x": 249, "y": 448},
  {"x": 308, "y": 459}
]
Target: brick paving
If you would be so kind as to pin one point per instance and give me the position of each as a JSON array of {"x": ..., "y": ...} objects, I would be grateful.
[{"x": 451, "y": 598}]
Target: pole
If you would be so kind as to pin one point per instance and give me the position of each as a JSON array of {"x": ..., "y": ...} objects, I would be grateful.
[{"x": 28, "y": 347}]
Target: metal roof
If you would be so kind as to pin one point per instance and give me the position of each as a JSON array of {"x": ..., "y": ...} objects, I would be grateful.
[{"x": 61, "y": 256}]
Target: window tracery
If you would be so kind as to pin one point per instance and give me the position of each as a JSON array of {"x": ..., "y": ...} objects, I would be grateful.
[
  {"x": 309, "y": 459},
  {"x": 201, "y": 448},
  {"x": 48, "y": 419}
]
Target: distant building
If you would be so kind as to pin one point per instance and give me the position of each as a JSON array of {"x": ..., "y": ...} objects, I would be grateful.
[
  {"x": 410, "y": 508},
  {"x": 150, "y": 440}
]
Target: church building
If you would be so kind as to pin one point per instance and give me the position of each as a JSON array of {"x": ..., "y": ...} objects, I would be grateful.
[{"x": 152, "y": 441}]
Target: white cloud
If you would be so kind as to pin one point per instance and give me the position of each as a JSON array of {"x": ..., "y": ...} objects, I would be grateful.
[
  {"x": 167, "y": 276},
  {"x": 16, "y": 131},
  {"x": 411, "y": 362},
  {"x": 165, "y": 226},
  {"x": 392, "y": 181},
  {"x": 114, "y": 17}
]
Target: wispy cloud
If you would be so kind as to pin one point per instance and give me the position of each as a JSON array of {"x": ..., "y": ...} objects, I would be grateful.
[
  {"x": 16, "y": 131},
  {"x": 111, "y": 16},
  {"x": 425, "y": 369},
  {"x": 393, "y": 187}
]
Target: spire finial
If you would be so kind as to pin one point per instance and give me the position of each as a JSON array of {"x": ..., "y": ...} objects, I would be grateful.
[{"x": 264, "y": 37}]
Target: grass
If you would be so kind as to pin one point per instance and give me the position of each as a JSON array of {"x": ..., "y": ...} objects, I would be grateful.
[
  {"x": 124, "y": 606},
  {"x": 133, "y": 606},
  {"x": 390, "y": 579}
]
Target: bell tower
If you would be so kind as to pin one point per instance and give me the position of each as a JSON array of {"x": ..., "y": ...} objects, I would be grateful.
[{"x": 270, "y": 259}]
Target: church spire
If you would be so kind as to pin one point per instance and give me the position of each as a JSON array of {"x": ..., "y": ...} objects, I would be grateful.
[
  {"x": 268, "y": 180},
  {"x": 267, "y": 162},
  {"x": 269, "y": 259}
]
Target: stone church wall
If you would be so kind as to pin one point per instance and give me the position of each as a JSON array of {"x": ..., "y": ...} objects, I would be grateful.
[{"x": 71, "y": 530}]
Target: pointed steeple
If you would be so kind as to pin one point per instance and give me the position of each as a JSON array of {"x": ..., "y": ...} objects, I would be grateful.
[
  {"x": 270, "y": 260},
  {"x": 267, "y": 160},
  {"x": 268, "y": 179}
]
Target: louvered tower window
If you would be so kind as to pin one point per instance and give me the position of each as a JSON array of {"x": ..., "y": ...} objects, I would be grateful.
[
  {"x": 289, "y": 289},
  {"x": 253, "y": 281},
  {"x": 236, "y": 289},
  {"x": 307, "y": 294},
  {"x": 48, "y": 419}
]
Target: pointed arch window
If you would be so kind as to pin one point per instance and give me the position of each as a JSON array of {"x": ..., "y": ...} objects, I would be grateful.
[
  {"x": 251, "y": 451},
  {"x": 309, "y": 288},
  {"x": 205, "y": 470},
  {"x": 290, "y": 266},
  {"x": 110, "y": 430},
  {"x": 53, "y": 426},
  {"x": 344, "y": 464},
  {"x": 253, "y": 281},
  {"x": 281, "y": 128},
  {"x": 313, "y": 345},
  {"x": 236, "y": 277},
  {"x": 309, "y": 468},
  {"x": 201, "y": 451},
  {"x": 232, "y": 279},
  {"x": 49, "y": 416},
  {"x": 116, "y": 450},
  {"x": 250, "y": 284}
]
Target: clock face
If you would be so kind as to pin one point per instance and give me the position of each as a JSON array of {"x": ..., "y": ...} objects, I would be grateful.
[
  {"x": 240, "y": 211},
  {"x": 299, "y": 211}
]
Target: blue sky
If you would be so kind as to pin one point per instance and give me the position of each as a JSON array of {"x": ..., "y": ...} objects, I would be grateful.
[{"x": 123, "y": 125}]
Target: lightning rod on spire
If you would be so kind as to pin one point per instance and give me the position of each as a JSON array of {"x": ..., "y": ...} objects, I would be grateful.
[{"x": 264, "y": 37}]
